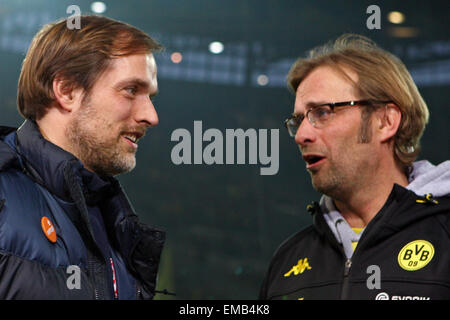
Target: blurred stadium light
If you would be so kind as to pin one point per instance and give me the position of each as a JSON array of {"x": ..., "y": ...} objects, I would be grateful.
[{"x": 240, "y": 64}]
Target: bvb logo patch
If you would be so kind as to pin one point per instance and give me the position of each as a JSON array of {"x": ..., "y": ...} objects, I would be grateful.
[{"x": 415, "y": 255}]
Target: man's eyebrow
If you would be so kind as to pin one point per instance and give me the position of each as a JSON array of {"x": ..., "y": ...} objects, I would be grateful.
[
  {"x": 311, "y": 105},
  {"x": 132, "y": 81}
]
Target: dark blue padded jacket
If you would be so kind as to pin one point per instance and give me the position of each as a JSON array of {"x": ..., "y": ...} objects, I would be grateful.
[{"x": 94, "y": 221}]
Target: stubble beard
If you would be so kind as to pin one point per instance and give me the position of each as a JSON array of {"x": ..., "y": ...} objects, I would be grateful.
[
  {"x": 340, "y": 179},
  {"x": 94, "y": 143},
  {"x": 329, "y": 182},
  {"x": 345, "y": 177}
]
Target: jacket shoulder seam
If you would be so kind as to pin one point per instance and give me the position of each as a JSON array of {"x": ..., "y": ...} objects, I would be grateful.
[{"x": 4, "y": 252}]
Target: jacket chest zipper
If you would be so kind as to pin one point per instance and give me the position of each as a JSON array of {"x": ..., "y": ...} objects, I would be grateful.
[
  {"x": 91, "y": 266},
  {"x": 348, "y": 261},
  {"x": 347, "y": 265},
  {"x": 344, "y": 290}
]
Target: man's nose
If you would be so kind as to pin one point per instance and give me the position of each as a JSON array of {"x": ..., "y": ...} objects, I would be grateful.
[
  {"x": 306, "y": 133},
  {"x": 146, "y": 113}
]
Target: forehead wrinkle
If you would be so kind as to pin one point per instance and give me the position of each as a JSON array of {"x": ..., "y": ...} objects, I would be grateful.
[{"x": 324, "y": 85}]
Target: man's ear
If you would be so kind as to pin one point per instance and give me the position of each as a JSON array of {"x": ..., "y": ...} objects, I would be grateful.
[
  {"x": 66, "y": 96},
  {"x": 388, "y": 121}
]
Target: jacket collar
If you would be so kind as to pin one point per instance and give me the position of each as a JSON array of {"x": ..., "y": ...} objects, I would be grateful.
[
  {"x": 402, "y": 208},
  {"x": 45, "y": 163},
  {"x": 8, "y": 157}
]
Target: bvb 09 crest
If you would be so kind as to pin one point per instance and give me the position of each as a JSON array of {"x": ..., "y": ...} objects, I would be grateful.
[{"x": 415, "y": 255}]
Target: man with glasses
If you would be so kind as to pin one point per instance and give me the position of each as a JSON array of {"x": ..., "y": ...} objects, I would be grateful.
[{"x": 381, "y": 229}]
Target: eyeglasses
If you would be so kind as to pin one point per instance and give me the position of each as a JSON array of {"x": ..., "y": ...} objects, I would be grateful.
[{"x": 319, "y": 115}]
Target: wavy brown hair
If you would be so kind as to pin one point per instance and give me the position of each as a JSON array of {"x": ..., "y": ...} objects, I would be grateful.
[
  {"x": 381, "y": 76},
  {"x": 79, "y": 56}
]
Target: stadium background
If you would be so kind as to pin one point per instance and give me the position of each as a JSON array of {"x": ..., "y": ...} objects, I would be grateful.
[{"x": 224, "y": 222}]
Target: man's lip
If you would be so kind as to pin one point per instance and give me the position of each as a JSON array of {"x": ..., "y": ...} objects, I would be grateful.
[
  {"x": 315, "y": 164},
  {"x": 137, "y": 134},
  {"x": 312, "y": 160},
  {"x": 131, "y": 143}
]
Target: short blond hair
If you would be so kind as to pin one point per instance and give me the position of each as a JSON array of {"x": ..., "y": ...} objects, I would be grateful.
[{"x": 381, "y": 76}]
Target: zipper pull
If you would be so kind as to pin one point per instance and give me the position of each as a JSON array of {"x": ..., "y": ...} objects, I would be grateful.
[
  {"x": 428, "y": 199},
  {"x": 313, "y": 207},
  {"x": 348, "y": 265},
  {"x": 344, "y": 289}
]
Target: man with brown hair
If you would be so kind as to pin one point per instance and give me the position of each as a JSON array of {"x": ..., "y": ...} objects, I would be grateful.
[
  {"x": 67, "y": 229},
  {"x": 381, "y": 229}
]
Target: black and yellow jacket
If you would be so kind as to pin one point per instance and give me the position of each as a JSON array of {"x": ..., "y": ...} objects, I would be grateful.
[{"x": 403, "y": 254}]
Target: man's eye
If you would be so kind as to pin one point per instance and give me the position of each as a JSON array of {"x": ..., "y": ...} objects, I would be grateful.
[
  {"x": 298, "y": 119},
  {"x": 131, "y": 90},
  {"x": 322, "y": 112}
]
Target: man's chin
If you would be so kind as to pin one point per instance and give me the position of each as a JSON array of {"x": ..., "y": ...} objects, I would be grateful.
[
  {"x": 326, "y": 190},
  {"x": 115, "y": 167},
  {"x": 126, "y": 166},
  {"x": 324, "y": 187}
]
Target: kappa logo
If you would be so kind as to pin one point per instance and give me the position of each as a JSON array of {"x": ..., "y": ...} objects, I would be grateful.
[
  {"x": 415, "y": 255},
  {"x": 299, "y": 268}
]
